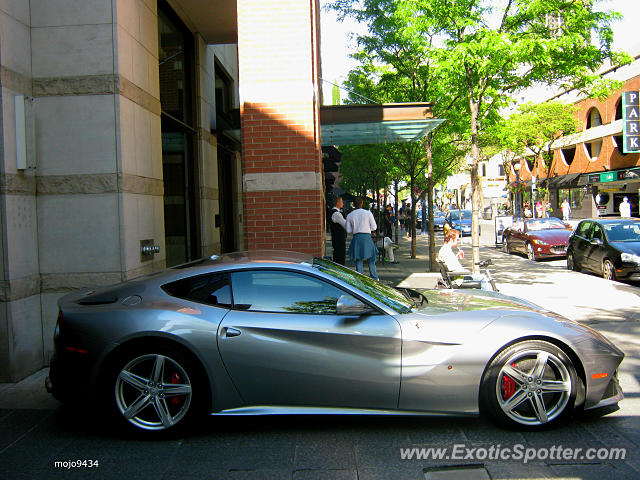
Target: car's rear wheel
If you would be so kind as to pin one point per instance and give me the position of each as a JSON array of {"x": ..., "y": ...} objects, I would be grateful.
[
  {"x": 608, "y": 270},
  {"x": 529, "y": 385},
  {"x": 505, "y": 245},
  {"x": 571, "y": 262},
  {"x": 531, "y": 254},
  {"x": 155, "y": 390}
]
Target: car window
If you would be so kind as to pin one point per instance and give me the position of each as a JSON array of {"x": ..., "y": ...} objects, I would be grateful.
[
  {"x": 596, "y": 232},
  {"x": 284, "y": 292},
  {"x": 623, "y": 232},
  {"x": 544, "y": 224},
  {"x": 212, "y": 289},
  {"x": 583, "y": 230}
]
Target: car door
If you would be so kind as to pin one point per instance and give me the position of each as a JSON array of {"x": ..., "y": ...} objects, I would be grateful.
[
  {"x": 595, "y": 248},
  {"x": 284, "y": 344},
  {"x": 580, "y": 242}
]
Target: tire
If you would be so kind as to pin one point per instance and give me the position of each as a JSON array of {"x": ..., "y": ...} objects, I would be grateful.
[
  {"x": 505, "y": 245},
  {"x": 608, "y": 270},
  {"x": 571, "y": 262},
  {"x": 531, "y": 254},
  {"x": 530, "y": 385},
  {"x": 155, "y": 390}
]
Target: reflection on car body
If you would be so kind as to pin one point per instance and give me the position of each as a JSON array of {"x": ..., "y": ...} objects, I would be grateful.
[{"x": 280, "y": 332}]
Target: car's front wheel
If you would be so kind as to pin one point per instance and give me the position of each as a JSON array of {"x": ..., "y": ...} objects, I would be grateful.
[
  {"x": 505, "y": 245},
  {"x": 531, "y": 254},
  {"x": 571, "y": 262},
  {"x": 155, "y": 390},
  {"x": 529, "y": 385},
  {"x": 608, "y": 270}
]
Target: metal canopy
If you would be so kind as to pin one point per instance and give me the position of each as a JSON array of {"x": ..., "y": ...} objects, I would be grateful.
[{"x": 376, "y": 123}]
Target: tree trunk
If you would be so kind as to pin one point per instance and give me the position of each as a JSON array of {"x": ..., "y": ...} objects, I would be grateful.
[
  {"x": 432, "y": 236},
  {"x": 412, "y": 221},
  {"x": 395, "y": 184},
  {"x": 476, "y": 188}
]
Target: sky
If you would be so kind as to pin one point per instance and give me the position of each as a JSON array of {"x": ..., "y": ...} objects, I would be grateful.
[{"x": 336, "y": 43}]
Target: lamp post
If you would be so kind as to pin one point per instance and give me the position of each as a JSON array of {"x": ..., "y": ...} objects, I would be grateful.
[{"x": 516, "y": 168}]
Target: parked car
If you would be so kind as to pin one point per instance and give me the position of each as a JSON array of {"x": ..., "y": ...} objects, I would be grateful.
[
  {"x": 607, "y": 246},
  {"x": 537, "y": 238},
  {"x": 280, "y": 332},
  {"x": 438, "y": 220},
  {"x": 460, "y": 220}
]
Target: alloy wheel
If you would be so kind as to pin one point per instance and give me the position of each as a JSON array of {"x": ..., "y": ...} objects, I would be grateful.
[
  {"x": 153, "y": 392},
  {"x": 534, "y": 387},
  {"x": 531, "y": 255},
  {"x": 608, "y": 270}
]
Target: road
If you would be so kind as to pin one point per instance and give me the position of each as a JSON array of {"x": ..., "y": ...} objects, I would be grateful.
[{"x": 36, "y": 432}]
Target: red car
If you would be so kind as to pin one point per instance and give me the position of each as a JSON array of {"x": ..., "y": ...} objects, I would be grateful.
[{"x": 537, "y": 238}]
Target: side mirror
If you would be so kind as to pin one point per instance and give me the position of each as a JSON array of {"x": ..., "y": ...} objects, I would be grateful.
[
  {"x": 350, "y": 306},
  {"x": 596, "y": 241}
]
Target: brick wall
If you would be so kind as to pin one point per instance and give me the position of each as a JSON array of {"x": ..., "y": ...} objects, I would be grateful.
[{"x": 279, "y": 83}]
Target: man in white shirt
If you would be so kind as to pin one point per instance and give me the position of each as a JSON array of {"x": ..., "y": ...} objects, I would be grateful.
[
  {"x": 625, "y": 208},
  {"x": 360, "y": 223},
  {"x": 338, "y": 232},
  {"x": 452, "y": 259}
]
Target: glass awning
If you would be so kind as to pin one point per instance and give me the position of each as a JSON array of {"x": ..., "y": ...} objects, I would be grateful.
[{"x": 376, "y": 123}]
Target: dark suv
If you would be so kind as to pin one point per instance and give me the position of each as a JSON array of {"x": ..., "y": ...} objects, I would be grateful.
[{"x": 607, "y": 246}]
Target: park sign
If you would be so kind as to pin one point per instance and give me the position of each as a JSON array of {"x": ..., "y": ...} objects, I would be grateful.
[{"x": 631, "y": 121}]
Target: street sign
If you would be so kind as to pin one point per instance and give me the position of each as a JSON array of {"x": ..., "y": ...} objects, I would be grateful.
[{"x": 630, "y": 122}]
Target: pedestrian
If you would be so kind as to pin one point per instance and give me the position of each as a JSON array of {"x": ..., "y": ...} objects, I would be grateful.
[
  {"x": 451, "y": 260},
  {"x": 387, "y": 221},
  {"x": 625, "y": 208},
  {"x": 338, "y": 226},
  {"x": 408, "y": 222},
  {"x": 389, "y": 247},
  {"x": 566, "y": 210},
  {"x": 539, "y": 209},
  {"x": 360, "y": 223},
  {"x": 403, "y": 218}
]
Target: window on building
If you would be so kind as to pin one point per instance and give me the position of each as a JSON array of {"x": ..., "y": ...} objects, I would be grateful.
[
  {"x": 618, "y": 142},
  {"x": 576, "y": 195},
  {"x": 501, "y": 170},
  {"x": 484, "y": 169},
  {"x": 593, "y": 118},
  {"x": 593, "y": 149},
  {"x": 619, "y": 109},
  {"x": 568, "y": 154},
  {"x": 224, "y": 100}
]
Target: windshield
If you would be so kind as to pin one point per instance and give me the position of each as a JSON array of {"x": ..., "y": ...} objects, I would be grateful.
[
  {"x": 623, "y": 232},
  {"x": 544, "y": 224},
  {"x": 389, "y": 296},
  {"x": 463, "y": 214}
]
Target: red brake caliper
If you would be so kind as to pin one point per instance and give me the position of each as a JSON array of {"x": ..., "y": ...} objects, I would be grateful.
[
  {"x": 175, "y": 378},
  {"x": 508, "y": 386}
]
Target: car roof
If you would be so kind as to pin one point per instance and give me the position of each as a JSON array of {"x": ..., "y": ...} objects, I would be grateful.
[
  {"x": 613, "y": 221},
  {"x": 277, "y": 257}
]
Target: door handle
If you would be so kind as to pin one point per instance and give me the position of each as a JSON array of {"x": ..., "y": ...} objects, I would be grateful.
[{"x": 231, "y": 332}]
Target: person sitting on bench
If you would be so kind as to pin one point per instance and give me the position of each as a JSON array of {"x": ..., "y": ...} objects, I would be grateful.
[{"x": 451, "y": 261}]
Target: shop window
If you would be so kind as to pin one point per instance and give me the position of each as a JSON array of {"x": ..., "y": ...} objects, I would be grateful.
[
  {"x": 593, "y": 118},
  {"x": 568, "y": 154},
  {"x": 575, "y": 198},
  {"x": 501, "y": 170},
  {"x": 593, "y": 149}
]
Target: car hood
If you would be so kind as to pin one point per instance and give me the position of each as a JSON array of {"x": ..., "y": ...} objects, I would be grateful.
[
  {"x": 628, "y": 247},
  {"x": 551, "y": 236},
  {"x": 444, "y": 301}
]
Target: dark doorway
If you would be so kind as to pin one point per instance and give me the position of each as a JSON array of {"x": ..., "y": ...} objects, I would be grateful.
[
  {"x": 227, "y": 194},
  {"x": 181, "y": 209}
]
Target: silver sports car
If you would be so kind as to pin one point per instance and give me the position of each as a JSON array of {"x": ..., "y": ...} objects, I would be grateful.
[{"x": 280, "y": 332}]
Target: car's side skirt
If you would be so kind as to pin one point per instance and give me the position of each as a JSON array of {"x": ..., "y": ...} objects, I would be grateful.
[{"x": 285, "y": 410}]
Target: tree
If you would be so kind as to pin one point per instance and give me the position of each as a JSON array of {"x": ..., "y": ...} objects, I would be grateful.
[
  {"x": 535, "y": 127},
  {"x": 496, "y": 52},
  {"x": 399, "y": 65}
]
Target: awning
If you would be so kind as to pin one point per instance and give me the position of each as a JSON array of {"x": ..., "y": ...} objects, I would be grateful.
[
  {"x": 376, "y": 123},
  {"x": 564, "y": 181}
]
